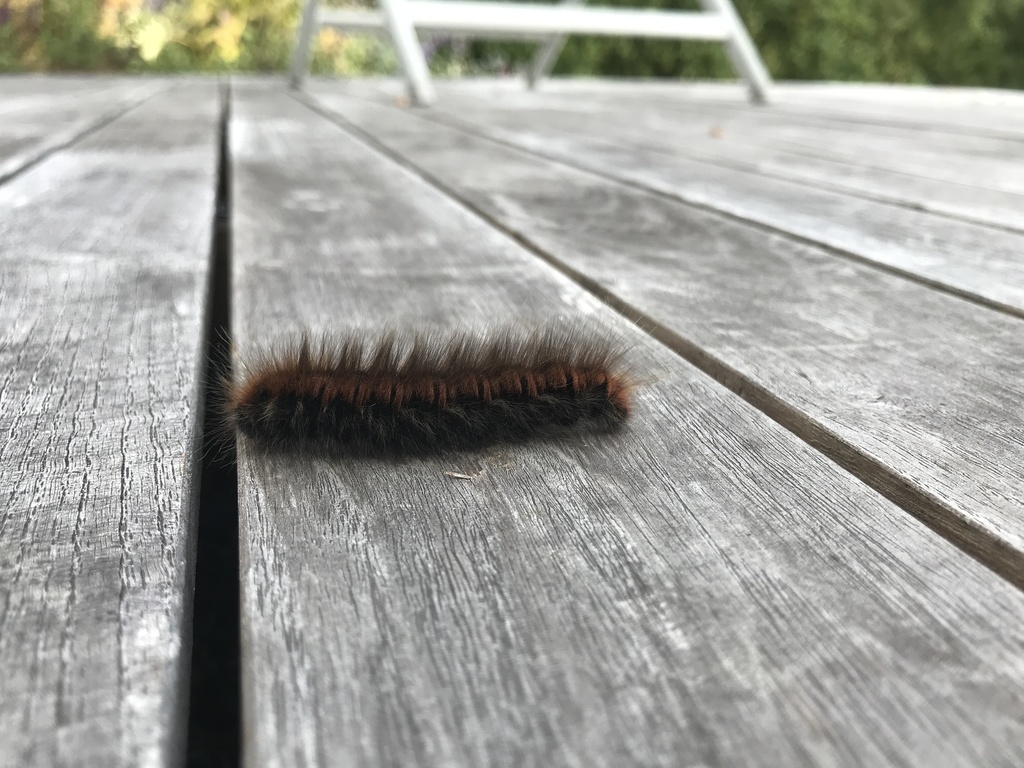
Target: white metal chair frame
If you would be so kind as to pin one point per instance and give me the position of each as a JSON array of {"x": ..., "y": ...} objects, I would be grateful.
[{"x": 402, "y": 20}]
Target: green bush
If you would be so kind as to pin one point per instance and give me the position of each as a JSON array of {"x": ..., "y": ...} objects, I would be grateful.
[
  {"x": 966, "y": 42},
  {"x": 68, "y": 39}
]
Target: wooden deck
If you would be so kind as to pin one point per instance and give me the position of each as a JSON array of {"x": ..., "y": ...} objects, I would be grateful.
[{"x": 806, "y": 549}]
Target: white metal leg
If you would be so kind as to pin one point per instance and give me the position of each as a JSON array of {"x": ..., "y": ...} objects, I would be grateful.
[
  {"x": 410, "y": 52},
  {"x": 547, "y": 54},
  {"x": 742, "y": 52},
  {"x": 300, "y": 56}
]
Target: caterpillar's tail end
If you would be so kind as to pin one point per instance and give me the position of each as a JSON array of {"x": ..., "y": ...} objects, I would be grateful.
[{"x": 620, "y": 393}]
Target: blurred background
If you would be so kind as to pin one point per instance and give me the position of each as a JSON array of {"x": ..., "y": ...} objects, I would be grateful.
[{"x": 939, "y": 42}]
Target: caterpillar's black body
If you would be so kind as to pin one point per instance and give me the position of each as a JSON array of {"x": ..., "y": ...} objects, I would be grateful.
[{"x": 428, "y": 394}]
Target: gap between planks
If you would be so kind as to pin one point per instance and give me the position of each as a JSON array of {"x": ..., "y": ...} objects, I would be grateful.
[
  {"x": 985, "y": 547},
  {"x": 214, "y": 717}
]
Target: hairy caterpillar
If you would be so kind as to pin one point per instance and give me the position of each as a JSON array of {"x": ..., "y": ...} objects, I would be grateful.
[{"x": 423, "y": 393}]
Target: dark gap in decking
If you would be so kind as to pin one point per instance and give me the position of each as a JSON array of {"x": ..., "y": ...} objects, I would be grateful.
[
  {"x": 214, "y": 727},
  {"x": 85, "y": 133},
  {"x": 982, "y": 545},
  {"x": 458, "y": 125}
]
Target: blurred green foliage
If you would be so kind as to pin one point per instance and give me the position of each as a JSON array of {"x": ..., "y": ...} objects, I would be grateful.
[
  {"x": 948, "y": 42},
  {"x": 172, "y": 36},
  {"x": 965, "y": 42}
]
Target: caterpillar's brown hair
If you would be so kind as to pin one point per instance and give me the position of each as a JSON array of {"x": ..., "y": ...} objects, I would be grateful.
[{"x": 422, "y": 392}]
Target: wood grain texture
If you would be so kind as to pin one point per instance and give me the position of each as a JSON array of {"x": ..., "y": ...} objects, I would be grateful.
[
  {"x": 928, "y": 151},
  {"x": 703, "y": 589},
  {"x": 969, "y": 111},
  {"x": 979, "y": 185},
  {"x": 910, "y": 386},
  {"x": 971, "y": 260},
  {"x": 966, "y": 111},
  {"x": 104, "y": 253},
  {"x": 39, "y": 115},
  {"x": 929, "y": 134}
]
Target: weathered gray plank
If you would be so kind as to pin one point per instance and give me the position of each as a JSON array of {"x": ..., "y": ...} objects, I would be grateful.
[
  {"x": 782, "y": 146},
  {"x": 39, "y": 115},
  {"x": 930, "y": 143},
  {"x": 987, "y": 162},
  {"x": 968, "y": 259},
  {"x": 104, "y": 252},
  {"x": 920, "y": 389},
  {"x": 966, "y": 111},
  {"x": 702, "y": 589}
]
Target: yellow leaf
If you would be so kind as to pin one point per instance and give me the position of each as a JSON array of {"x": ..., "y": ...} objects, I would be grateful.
[
  {"x": 151, "y": 38},
  {"x": 329, "y": 39},
  {"x": 116, "y": 16},
  {"x": 201, "y": 12},
  {"x": 227, "y": 36}
]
